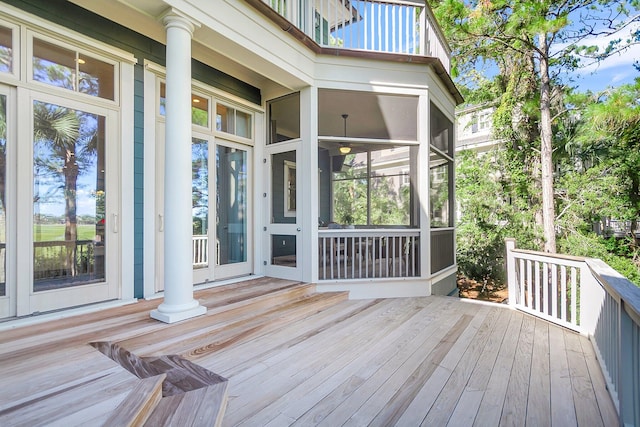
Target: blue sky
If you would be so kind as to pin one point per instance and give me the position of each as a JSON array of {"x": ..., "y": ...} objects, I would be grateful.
[{"x": 613, "y": 72}]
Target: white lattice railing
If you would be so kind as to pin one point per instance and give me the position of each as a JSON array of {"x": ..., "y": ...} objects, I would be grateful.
[
  {"x": 393, "y": 26},
  {"x": 200, "y": 250},
  {"x": 590, "y": 297},
  {"x": 366, "y": 254}
]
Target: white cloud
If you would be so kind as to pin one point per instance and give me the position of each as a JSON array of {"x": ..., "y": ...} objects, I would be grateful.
[{"x": 624, "y": 59}]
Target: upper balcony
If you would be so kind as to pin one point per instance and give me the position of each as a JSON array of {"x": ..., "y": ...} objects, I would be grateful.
[{"x": 394, "y": 26}]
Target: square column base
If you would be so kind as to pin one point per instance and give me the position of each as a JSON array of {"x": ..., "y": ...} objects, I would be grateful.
[{"x": 177, "y": 317}]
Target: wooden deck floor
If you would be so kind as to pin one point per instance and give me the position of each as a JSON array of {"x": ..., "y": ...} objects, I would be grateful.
[{"x": 432, "y": 361}]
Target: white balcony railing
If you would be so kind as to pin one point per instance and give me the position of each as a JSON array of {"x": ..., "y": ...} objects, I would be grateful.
[
  {"x": 366, "y": 254},
  {"x": 392, "y": 26},
  {"x": 200, "y": 250},
  {"x": 590, "y": 297}
]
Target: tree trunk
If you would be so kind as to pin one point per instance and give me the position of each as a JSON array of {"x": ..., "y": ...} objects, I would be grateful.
[
  {"x": 546, "y": 149},
  {"x": 71, "y": 223}
]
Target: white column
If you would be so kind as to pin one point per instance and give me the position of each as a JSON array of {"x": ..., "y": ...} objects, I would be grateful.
[{"x": 179, "y": 303}]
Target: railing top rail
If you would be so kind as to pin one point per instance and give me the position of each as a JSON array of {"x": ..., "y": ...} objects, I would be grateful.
[
  {"x": 417, "y": 3},
  {"x": 355, "y": 232},
  {"x": 442, "y": 230},
  {"x": 529, "y": 253},
  {"x": 617, "y": 286}
]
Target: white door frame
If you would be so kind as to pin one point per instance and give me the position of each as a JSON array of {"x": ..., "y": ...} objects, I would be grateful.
[
  {"x": 28, "y": 301},
  {"x": 8, "y": 301},
  {"x": 270, "y": 228},
  {"x": 226, "y": 271}
]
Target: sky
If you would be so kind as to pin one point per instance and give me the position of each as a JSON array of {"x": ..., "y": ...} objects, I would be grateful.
[{"x": 612, "y": 72}]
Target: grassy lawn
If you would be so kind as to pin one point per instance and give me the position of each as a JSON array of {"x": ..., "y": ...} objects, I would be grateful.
[{"x": 55, "y": 232}]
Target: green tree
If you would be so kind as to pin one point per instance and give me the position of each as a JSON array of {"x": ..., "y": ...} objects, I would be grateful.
[
  {"x": 492, "y": 208},
  {"x": 532, "y": 42}
]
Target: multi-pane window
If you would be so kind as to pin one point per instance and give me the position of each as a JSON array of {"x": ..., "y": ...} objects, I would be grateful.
[
  {"x": 6, "y": 50},
  {"x": 369, "y": 187},
  {"x": 199, "y": 107},
  {"x": 69, "y": 69},
  {"x": 233, "y": 121}
]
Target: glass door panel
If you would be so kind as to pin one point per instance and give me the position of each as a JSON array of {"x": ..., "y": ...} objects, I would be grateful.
[
  {"x": 69, "y": 197},
  {"x": 231, "y": 205},
  {"x": 232, "y": 215},
  {"x": 70, "y": 213},
  {"x": 283, "y": 223},
  {"x": 200, "y": 202}
]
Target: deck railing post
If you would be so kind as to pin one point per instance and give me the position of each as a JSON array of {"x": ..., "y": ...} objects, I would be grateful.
[
  {"x": 628, "y": 383},
  {"x": 590, "y": 301},
  {"x": 510, "y": 245}
]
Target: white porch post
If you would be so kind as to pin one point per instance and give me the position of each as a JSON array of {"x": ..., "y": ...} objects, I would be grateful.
[{"x": 179, "y": 303}]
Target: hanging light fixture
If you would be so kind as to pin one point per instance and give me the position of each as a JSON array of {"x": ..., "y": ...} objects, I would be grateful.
[{"x": 345, "y": 148}]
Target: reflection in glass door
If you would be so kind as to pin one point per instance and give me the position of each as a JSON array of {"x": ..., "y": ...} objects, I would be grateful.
[
  {"x": 232, "y": 219},
  {"x": 200, "y": 202},
  {"x": 69, "y": 197}
]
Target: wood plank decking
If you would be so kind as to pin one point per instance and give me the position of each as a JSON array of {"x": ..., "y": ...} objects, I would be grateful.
[{"x": 293, "y": 357}]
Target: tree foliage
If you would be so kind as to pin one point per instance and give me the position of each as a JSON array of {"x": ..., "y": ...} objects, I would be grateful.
[
  {"x": 532, "y": 43},
  {"x": 493, "y": 206}
]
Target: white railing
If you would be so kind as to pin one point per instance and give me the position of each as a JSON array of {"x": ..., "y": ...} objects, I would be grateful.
[
  {"x": 590, "y": 297},
  {"x": 200, "y": 250},
  {"x": 392, "y": 26},
  {"x": 367, "y": 254}
]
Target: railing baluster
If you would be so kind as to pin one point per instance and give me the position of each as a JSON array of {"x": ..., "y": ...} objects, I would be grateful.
[
  {"x": 367, "y": 254},
  {"x": 545, "y": 288},
  {"x": 574, "y": 296},
  {"x": 522, "y": 282},
  {"x": 601, "y": 304},
  {"x": 537, "y": 288},
  {"x": 554, "y": 290},
  {"x": 393, "y": 29},
  {"x": 563, "y": 292},
  {"x": 529, "y": 302}
]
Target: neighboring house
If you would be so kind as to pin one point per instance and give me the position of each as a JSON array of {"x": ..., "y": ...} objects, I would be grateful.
[
  {"x": 474, "y": 127},
  {"x": 149, "y": 146}
]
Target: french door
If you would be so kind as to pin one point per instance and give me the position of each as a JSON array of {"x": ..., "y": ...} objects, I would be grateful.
[
  {"x": 59, "y": 214},
  {"x": 221, "y": 219},
  {"x": 282, "y": 219}
]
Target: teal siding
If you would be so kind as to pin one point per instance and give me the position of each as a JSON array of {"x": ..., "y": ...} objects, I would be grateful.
[
  {"x": 78, "y": 19},
  {"x": 138, "y": 181}
]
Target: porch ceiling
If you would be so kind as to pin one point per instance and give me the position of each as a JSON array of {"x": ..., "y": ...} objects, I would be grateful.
[{"x": 209, "y": 46}]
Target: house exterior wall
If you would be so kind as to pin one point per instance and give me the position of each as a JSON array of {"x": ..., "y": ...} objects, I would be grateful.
[
  {"x": 240, "y": 53},
  {"x": 475, "y": 129}
]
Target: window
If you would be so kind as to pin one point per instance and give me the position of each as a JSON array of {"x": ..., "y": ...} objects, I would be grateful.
[
  {"x": 232, "y": 121},
  {"x": 485, "y": 121},
  {"x": 69, "y": 69},
  {"x": 439, "y": 190},
  {"x": 441, "y": 169},
  {"x": 199, "y": 110},
  {"x": 290, "y": 188},
  {"x": 441, "y": 131},
  {"x": 369, "y": 187},
  {"x": 199, "y": 107},
  {"x": 6, "y": 50},
  {"x": 284, "y": 118}
]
